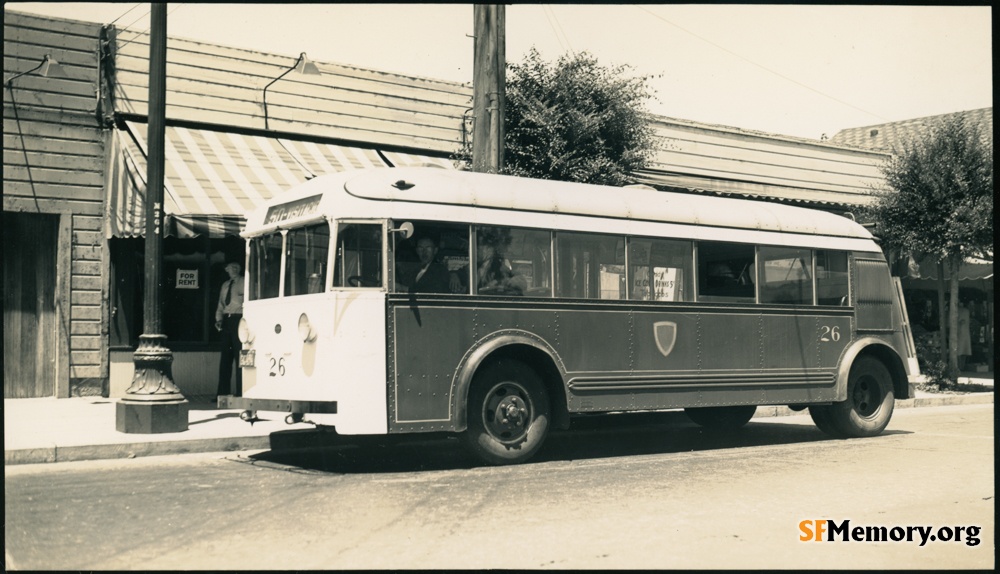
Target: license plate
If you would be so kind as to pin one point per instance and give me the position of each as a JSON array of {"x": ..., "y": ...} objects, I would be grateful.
[{"x": 247, "y": 358}]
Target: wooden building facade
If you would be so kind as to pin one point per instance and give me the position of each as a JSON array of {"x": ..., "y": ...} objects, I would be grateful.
[
  {"x": 228, "y": 148},
  {"x": 55, "y": 316}
]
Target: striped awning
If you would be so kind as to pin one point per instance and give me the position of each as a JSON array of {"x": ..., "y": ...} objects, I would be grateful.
[{"x": 212, "y": 178}]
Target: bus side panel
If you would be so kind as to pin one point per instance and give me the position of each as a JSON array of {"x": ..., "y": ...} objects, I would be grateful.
[
  {"x": 426, "y": 344},
  {"x": 715, "y": 356},
  {"x": 615, "y": 358}
]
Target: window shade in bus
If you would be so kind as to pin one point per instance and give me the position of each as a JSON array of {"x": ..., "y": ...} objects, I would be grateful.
[
  {"x": 874, "y": 295},
  {"x": 212, "y": 178}
]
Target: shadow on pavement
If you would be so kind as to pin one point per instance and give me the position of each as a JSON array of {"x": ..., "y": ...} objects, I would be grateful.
[{"x": 590, "y": 437}]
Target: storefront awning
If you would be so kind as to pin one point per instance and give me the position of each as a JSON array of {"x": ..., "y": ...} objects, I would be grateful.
[
  {"x": 971, "y": 269},
  {"x": 212, "y": 178}
]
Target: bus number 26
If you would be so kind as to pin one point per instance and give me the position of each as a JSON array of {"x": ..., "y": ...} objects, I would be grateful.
[
  {"x": 277, "y": 367},
  {"x": 827, "y": 334}
]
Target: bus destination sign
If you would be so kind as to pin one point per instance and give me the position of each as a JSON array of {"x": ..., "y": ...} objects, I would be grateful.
[{"x": 292, "y": 209}]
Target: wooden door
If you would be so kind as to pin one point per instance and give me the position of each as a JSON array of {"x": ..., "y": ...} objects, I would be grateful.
[{"x": 30, "y": 329}]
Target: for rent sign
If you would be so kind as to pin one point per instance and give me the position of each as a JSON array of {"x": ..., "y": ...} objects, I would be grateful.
[{"x": 187, "y": 278}]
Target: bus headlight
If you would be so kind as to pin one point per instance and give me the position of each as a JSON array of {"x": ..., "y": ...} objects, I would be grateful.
[
  {"x": 305, "y": 329},
  {"x": 243, "y": 331}
]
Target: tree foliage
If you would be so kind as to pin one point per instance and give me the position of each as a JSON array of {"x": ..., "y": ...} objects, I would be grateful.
[
  {"x": 938, "y": 195},
  {"x": 938, "y": 201},
  {"x": 575, "y": 120}
]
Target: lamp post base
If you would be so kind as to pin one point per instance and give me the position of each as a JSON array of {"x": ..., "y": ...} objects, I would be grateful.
[
  {"x": 153, "y": 404},
  {"x": 148, "y": 417}
]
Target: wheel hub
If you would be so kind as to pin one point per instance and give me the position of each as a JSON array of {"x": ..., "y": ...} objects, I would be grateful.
[
  {"x": 865, "y": 397},
  {"x": 506, "y": 413}
]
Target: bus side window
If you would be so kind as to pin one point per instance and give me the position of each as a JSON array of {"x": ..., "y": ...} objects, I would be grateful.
[
  {"x": 495, "y": 274},
  {"x": 786, "y": 275},
  {"x": 452, "y": 243},
  {"x": 832, "y": 278},
  {"x": 659, "y": 270},
  {"x": 359, "y": 255},
  {"x": 590, "y": 266},
  {"x": 726, "y": 272}
]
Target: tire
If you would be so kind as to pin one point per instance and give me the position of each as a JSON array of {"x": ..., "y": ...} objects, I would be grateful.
[
  {"x": 870, "y": 400},
  {"x": 721, "y": 418},
  {"x": 513, "y": 389},
  {"x": 821, "y": 416}
]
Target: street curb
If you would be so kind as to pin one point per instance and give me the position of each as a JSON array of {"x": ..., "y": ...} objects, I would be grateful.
[
  {"x": 226, "y": 444},
  {"x": 936, "y": 401},
  {"x": 133, "y": 450}
]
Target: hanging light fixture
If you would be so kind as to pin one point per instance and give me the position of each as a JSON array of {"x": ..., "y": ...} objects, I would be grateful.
[
  {"x": 47, "y": 66},
  {"x": 303, "y": 66}
]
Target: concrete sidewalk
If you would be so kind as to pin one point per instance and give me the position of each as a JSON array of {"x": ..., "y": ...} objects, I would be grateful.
[{"x": 83, "y": 428}]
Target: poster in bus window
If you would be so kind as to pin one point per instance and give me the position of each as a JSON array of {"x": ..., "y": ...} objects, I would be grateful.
[{"x": 666, "y": 283}]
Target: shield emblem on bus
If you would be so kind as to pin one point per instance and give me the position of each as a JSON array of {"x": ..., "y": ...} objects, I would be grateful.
[{"x": 666, "y": 335}]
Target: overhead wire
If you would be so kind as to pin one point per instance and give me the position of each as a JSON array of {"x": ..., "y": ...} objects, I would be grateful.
[
  {"x": 172, "y": 10},
  {"x": 124, "y": 14},
  {"x": 765, "y": 68},
  {"x": 550, "y": 16}
]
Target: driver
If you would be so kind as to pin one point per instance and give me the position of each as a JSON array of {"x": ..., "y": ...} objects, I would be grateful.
[{"x": 432, "y": 276}]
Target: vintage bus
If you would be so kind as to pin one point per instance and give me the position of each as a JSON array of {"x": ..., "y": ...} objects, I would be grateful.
[{"x": 557, "y": 299}]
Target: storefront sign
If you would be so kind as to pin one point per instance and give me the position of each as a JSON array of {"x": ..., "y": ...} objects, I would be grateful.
[
  {"x": 292, "y": 209},
  {"x": 187, "y": 278}
]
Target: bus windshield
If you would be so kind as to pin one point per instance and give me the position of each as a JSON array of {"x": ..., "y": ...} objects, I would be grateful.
[{"x": 306, "y": 259}]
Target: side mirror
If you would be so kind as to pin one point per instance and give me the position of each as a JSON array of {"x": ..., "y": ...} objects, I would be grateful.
[{"x": 406, "y": 228}]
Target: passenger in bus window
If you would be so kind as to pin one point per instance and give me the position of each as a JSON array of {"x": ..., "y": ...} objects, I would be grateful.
[
  {"x": 432, "y": 276},
  {"x": 496, "y": 275}
]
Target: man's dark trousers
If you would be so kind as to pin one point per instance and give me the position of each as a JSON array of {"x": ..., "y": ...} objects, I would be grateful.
[{"x": 230, "y": 353}]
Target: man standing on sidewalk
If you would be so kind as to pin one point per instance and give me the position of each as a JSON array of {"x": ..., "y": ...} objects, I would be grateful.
[{"x": 227, "y": 320}]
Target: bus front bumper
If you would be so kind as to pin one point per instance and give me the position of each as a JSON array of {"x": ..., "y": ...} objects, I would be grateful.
[{"x": 231, "y": 402}]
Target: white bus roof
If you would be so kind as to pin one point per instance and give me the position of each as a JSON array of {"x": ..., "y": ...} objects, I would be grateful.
[{"x": 451, "y": 195}]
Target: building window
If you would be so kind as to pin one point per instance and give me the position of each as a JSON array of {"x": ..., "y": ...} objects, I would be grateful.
[{"x": 192, "y": 274}]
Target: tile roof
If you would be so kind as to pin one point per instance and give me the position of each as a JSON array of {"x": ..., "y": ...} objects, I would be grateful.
[{"x": 891, "y": 135}]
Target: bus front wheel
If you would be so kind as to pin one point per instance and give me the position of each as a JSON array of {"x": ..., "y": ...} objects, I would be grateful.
[
  {"x": 870, "y": 400},
  {"x": 721, "y": 418},
  {"x": 508, "y": 413}
]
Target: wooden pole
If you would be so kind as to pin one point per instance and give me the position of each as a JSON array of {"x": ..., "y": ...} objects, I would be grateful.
[{"x": 489, "y": 63}]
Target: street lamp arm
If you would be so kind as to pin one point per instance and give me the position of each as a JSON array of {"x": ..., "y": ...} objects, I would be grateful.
[{"x": 269, "y": 84}]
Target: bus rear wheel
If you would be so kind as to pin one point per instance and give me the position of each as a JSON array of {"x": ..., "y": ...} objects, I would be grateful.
[
  {"x": 870, "y": 400},
  {"x": 508, "y": 413},
  {"x": 821, "y": 416},
  {"x": 722, "y": 418}
]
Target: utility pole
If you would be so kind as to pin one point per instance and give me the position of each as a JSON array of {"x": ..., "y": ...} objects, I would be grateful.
[
  {"x": 488, "y": 80},
  {"x": 153, "y": 403}
]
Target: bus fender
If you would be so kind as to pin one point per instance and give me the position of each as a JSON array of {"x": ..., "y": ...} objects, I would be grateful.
[
  {"x": 484, "y": 349},
  {"x": 884, "y": 352}
]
